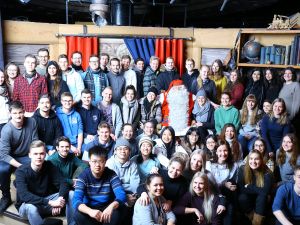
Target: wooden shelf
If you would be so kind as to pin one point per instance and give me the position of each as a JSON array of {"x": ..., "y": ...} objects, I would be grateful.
[
  {"x": 265, "y": 31},
  {"x": 266, "y": 65}
]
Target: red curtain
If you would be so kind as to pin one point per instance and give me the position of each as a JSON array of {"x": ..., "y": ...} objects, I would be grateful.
[
  {"x": 174, "y": 48},
  {"x": 86, "y": 45}
]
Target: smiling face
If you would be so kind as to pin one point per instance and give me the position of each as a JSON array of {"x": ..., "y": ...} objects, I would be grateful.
[
  {"x": 259, "y": 146},
  {"x": 67, "y": 102},
  {"x": 175, "y": 170},
  {"x": 115, "y": 66},
  {"x": 140, "y": 65},
  {"x": 233, "y": 77},
  {"x": 287, "y": 144},
  {"x": 127, "y": 132},
  {"x": 193, "y": 138},
  {"x": 148, "y": 129},
  {"x": 229, "y": 133},
  {"x": 104, "y": 134},
  {"x": 170, "y": 64},
  {"x": 256, "y": 75},
  {"x": 94, "y": 63},
  {"x": 12, "y": 71},
  {"x": 107, "y": 95},
  {"x": 63, "y": 64},
  {"x": 156, "y": 187},
  {"x": 151, "y": 96},
  {"x": 146, "y": 149},
  {"x": 52, "y": 71},
  {"x": 63, "y": 149},
  {"x": 215, "y": 67},
  {"x": 122, "y": 153},
  {"x": 166, "y": 136},
  {"x": 43, "y": 57},
  {"x": 255, "y": 161},
  {"x": 189, "y": 65},
  {"x": 199, "y": 186},
  {"x": 222, "y": 153},
  {"x": 204, "y": 72},
  {"x": 86, "y": 99},
  {"x": 44, "y": 104},
  {"x": 268, "y": 75},
  {"x": 250, "y": 104},
  {"x": 225, "y": 100},
  {"x": 76, "y": 59},
  {"x": 267, "y": 107},
  {"x": 277, "y": 108},
  {"x": 129, "y": 95},
  {"x": 210, "y": 144},
  {"x": 125, "y": 63},
  {"x": 196, "y": 162},
  {"x": 103, "y": 61},
  {"x": 154, "y": 64},
  {"x": 288, "y": 75},
  {"x": 2, "y": 78},
  {"x": 201, "y": 100}
]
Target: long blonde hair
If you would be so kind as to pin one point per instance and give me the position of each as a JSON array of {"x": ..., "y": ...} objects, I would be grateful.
[
  {"x": 259, "y": 174},
  {"x": 208, "y": 195},
  {"x": 283, "y": 119},
  {"x": 245, "y": 112}
]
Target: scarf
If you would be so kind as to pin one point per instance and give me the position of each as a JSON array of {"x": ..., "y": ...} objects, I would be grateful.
[
  {"x": 201, "y": 112},
  {"x": 148, "y": 105},
  {"x": 170, "y": 148},
  {"x": 89, "y": 81},
  {"x": 129, "y": 110},
  {"x": 77, "y": 68},
  {"x": 30, "y": 75}
]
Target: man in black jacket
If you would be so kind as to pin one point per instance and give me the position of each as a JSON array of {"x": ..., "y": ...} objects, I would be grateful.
[
  {"x": 49, "y": 126},
  {"x": 41, "y": 189},
  {"x": 166, "y": 77}
]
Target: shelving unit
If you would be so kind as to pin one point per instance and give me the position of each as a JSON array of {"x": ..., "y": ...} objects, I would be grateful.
[{"x": 266, "y": 38}]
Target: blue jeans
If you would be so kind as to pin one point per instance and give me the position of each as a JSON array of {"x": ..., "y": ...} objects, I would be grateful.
[
  {"x": 6, "y": 170},
  {"x": 247, "y": 144}
]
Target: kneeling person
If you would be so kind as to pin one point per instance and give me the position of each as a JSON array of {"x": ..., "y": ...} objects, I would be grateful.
[{"x": 41, "y": 190}]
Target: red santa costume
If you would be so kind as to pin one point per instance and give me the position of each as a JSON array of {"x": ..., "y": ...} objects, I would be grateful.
[{"x": 177, "y": 106}]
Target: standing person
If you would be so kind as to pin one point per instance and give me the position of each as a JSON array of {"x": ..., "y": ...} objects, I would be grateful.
[
  {"x": 256, "y": 87},
  {"x": 285, "y": 206},
  {"x": 250, "y": 116},
  {"x": 209, "y": 86},
  {"x": 71, "y": 77},
  {"x": 235, "y": 88},
  {"x": 151, "y": 74},
  {"x": 76, "y": 62},
  {"x": 16, "y": 137},
  {"x": 150, "y": 108},
  {"x": 94, "y": 79},
  {"x": 11, "y": 72},
  {"x": 56, "y": 85},
  {"x": 71, "y": 122},
  {"x": 272, "y": 84},
  {"x": 90, "y": 116},
  {"x": 255, "y": 182},
  {"x": 226, "y": 113},
  {"x": 130, "y": 108},
  {"x": 48, "y": 125},
  {"x": 4, "y": 101},
  {"x": 290, "y": 93},
  {"x": 218, "y": 77},
  {"x": 43, "y": 59},
  {"x": 275, "y": 126},
  {"x": 104, "y": 60},
  {"x": 169, "y": 74},
  {"x": 288, "y": 157},
  {"x": 200, "y": 202},
  {"x": 153, "y": 213},
  {"x": 129, "y": 74},
  {"x": 111, "y": 112},
  {"x": 229, "y": 135},
  {"x": 99, "y": 194},
  {"x": 116, "y": 80},
  {"x": 191, "y": 74},
  {"x": 203, "y": 114},
  {"x": 139, "y": 69},
  {"x": 35, "y": 199},
  {"x": 29, "y": 86}
]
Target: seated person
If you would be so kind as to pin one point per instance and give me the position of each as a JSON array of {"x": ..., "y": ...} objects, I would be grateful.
[
  {"x": 48, "y": 125},
  {"x": 41, "y": 190},
  {"x": 90, "y": 116},
  {"x": 98, "y": 192},
  {"x": 153, "y": 213},
  {"x": 102, "y": 139},
  {"x": 71, "y": 122},
  {"x": 127, "y": 133},
  {"x": 66, "y": 163},
  {"x": 125, "y": 168},
  {"x": 286, "y": 203},
  {"x": 148, "y": 130}
]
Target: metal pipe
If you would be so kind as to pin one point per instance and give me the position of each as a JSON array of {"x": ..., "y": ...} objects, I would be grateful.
[
  {"x": 58, "y": 35},
  {"x": 67, "y": 11}
]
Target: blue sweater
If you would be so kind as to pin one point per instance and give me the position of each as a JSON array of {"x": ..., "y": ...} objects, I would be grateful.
[
  {"x": 272, "y": 132},
  {"x": 71, "y": 123},
  {"x": 98, "y": 193},
  {"x": 90, "y": 119},
  {"x": 287, "y": 201}
]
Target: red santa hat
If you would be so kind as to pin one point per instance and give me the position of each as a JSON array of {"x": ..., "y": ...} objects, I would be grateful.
[{"x": 174, "y": 83}]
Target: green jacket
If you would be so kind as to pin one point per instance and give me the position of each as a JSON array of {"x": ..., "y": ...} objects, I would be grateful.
[{"x": 223, "y": 116}]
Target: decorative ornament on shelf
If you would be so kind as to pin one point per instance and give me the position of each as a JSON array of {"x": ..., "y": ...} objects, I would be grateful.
[
  {"x": 280, "y": 23},
  {"x": 251, "y": 51}
]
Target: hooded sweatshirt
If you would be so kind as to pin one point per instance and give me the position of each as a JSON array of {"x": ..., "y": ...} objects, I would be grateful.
[
  {"x": 71, "y": 123},
  {"x": 48, "y": 128},
  {"x": 226, "y": 115}
]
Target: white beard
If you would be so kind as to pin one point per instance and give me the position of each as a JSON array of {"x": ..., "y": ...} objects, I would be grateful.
[{"x": 178, "y": 109}]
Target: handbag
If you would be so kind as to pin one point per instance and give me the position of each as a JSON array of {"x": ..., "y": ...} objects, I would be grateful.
[{"x": 230, "y": 62}]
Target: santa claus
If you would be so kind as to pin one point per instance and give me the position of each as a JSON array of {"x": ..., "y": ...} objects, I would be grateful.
[{"x": 177, "y": 105}]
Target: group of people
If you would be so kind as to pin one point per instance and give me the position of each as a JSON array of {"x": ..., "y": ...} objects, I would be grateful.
[{"x": 119, "y": 145}]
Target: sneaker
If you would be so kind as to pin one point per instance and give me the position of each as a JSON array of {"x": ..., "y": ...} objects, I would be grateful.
[{"x": 4, "y": 204}]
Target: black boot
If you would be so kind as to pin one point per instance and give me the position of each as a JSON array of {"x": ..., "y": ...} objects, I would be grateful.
[{"x": 5, "y": 202}]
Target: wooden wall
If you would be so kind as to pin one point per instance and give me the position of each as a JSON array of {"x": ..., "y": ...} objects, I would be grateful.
[{"x": 16, "y": 32}]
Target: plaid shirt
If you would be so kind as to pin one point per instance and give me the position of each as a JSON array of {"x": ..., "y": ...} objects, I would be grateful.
[{"x": 27, "y": 93}]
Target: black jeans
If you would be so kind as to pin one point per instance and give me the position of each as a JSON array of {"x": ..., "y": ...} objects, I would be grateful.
[{"x": 249, "y": 202}]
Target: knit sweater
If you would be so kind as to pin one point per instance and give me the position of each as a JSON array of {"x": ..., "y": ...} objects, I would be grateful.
[
  {"x": 67, "y": 166},
  {"x": 286, "y": 169},
  {"x": 226, "y": 115},
  {"x": 290, "y": 94},
  {"x": 98, "y": 193}
]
